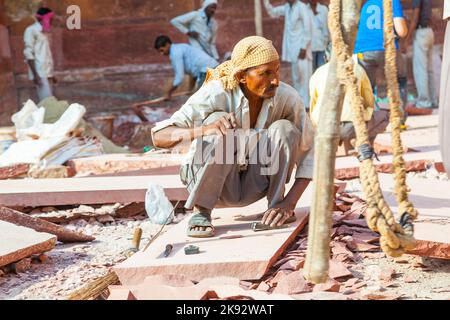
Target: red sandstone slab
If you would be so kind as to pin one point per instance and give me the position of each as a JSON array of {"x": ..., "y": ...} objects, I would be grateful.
[
  {"x": 410, "y": 166},
  {"x": 17, "y": 243},
  {"x": 98, "y": 190},
  {"x": 245, "y": 257},
  {"x": 172, "y": 170},
  {"x": 113, "y": 163},
  {"x": 432, "y": 199},
  {"x": 14, "y": 171},
  {"x": 348, "y": 167}
]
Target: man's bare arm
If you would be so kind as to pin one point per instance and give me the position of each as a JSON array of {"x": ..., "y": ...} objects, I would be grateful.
[
  {"x": 171, "y": 136},
  {"x": 413, "y": 24},
  {"x": 401, "y": 27},
  {"x": 36, "y": 78},
  {"x": 296, "y": 191}
]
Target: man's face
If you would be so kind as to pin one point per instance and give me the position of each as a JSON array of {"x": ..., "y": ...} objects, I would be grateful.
[
  {"x": 210, "y": 10},
  {"x": 313, "y": 2},
  {"x": 165, "y": 50},
  {"x": 263, "y": 80}
]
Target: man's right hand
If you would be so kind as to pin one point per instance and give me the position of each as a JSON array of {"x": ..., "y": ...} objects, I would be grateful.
[
  {"x": 221, "y": 126},
  {"x": 37, "y": 80},
  {"x": 193, "y": 34}
]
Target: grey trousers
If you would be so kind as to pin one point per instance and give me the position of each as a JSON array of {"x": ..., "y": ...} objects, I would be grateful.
[
  {"x": 423, "y": 68},
  {"x": 444, "y": 101},
  {"x": 214, "y": 185},
  {"x": 376, "y": 125},
  {"x": 374, "y": 60}
]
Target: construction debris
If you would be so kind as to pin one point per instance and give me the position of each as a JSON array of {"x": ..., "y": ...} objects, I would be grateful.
[
  {"x": 46, "y": 144},
  {"x": 19, "y": 242},
  {"x": 39, "y": 225}
]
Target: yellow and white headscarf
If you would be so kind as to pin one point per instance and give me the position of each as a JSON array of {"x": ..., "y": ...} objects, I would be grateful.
[{"x": 247, "y": 53}]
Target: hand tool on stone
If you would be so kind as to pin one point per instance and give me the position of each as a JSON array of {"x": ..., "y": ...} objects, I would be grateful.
[
  {"x": 135, "y": 243},
  {"x": 258, "y": 226},
  {"x": 168, "y": 250}
]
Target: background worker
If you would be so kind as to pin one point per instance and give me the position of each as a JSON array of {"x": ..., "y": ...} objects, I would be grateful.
[
  {"x": 422, "y": 36},
  {"x": 321, "y": 34},
  {"x": 185, "y": 59},
  {"x": 376, "y": 121},
  {"x": 297, "y": 41},
  {"x": 38, "y": 53},
  {"x": 369, "y": 45},
  {"x": 201, "y": 27}
]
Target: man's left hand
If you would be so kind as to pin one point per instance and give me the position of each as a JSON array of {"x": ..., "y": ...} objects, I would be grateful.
[{"x": 277, "y": 216}]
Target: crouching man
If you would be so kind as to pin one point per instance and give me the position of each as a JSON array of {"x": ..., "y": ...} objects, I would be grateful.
[{"x": 248, "y": 132}]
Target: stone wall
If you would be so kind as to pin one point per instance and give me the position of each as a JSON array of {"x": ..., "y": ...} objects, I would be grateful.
[{"x": 8, "y": 98}]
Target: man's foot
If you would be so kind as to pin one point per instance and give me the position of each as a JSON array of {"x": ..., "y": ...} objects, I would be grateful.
[{"x": 200, "y": 226}]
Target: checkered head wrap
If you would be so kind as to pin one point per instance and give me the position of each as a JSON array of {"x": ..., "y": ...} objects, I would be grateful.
[{"x": 249, "y": 52}]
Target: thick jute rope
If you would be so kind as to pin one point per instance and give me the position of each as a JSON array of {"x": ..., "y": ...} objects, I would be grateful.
[{"x": 396, "y": 237}]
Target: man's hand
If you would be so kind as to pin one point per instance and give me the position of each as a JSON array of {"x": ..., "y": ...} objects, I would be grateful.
[
  {"x": 302, "y": 54},
  {"x": 53, "y": 79},
  {"x": 277, "y": 216},
  {"x": 37, "y": 80},
  {"x": 221, "y": 126},
  {"x": 193, "y": 34}
]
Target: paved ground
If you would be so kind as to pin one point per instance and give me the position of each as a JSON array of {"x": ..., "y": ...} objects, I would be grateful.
[{"x": 69, "y": 267}]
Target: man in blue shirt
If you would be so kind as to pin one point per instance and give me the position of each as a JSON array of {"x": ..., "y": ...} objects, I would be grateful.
[
  {"x": 185, "y": 59},
  {"x": 370, "y": 42}
]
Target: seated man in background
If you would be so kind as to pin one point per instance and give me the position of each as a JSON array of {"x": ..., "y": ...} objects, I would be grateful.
[
  {"x": 242, "y": 99},
  {"x": 185, "y": 59},
  {"x": 377, "y": 121}
]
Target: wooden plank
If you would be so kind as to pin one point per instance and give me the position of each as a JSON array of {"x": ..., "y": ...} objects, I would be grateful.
[
  {"x": 235, "y": 251},
  {"x": 17, "y": 243},
  {"x": 100, "y": 190}
]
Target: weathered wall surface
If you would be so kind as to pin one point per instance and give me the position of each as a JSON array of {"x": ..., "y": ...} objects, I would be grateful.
[
  {"x": 117, "y": 32},
  {"x": 8, "y": 98}
]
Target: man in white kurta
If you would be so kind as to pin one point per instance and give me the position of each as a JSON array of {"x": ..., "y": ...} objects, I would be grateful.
[
  {"x": 321, "y": 34},
  {"x": 297, "y": 41},
  {"x": 38, "y": 53},
  {"x": 200, "y": 27}
]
